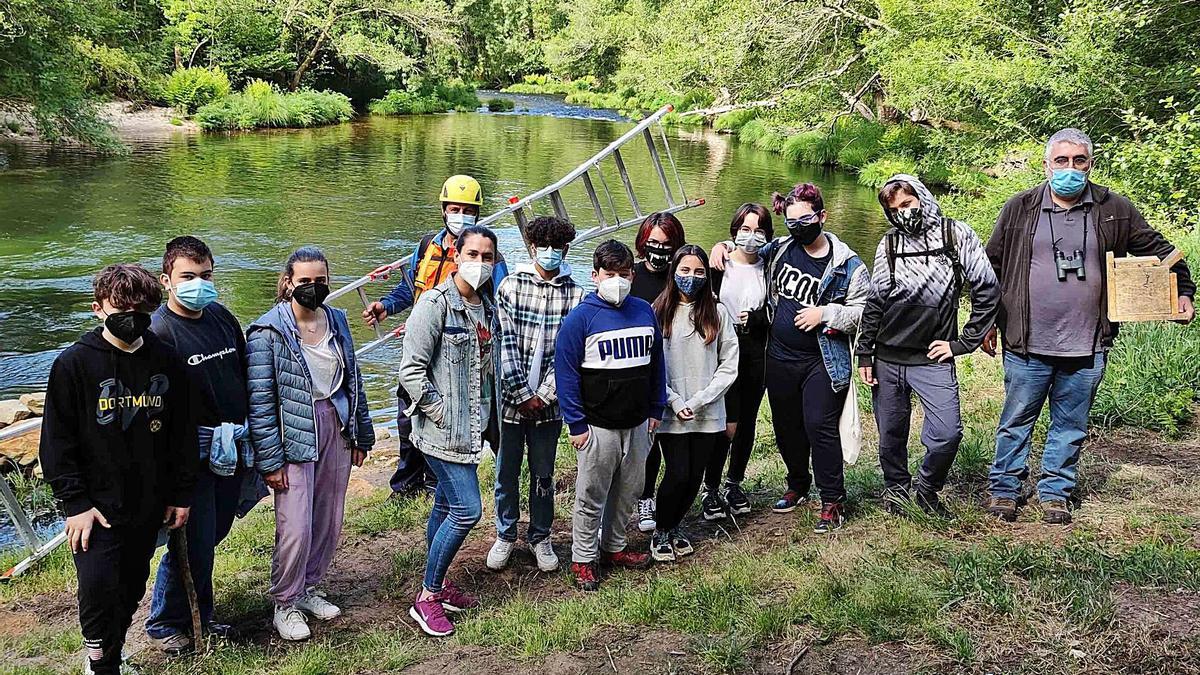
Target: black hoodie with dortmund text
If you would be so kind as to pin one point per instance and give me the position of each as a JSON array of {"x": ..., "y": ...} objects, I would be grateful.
[{"x": 118, "y": 433}]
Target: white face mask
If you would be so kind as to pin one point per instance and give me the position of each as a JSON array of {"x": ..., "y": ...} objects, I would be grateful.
[
  {"x": 614, "y": 290},
  {"x": 455, "y": 222},
  {"x": 475, "y": 273},
  {"x": 750, "y": 242}
]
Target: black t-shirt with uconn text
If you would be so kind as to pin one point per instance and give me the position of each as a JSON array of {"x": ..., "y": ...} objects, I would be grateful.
[{"x": 797, "y": 278}]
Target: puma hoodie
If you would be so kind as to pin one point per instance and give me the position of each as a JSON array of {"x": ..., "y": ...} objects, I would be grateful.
[{"x": 118, "y": 433}]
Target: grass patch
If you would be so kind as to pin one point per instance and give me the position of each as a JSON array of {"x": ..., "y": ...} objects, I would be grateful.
[
  {"x": 261, "y": 105},
  {"x": 500, "y": 105},
  {"x": 427, "y": 100}
]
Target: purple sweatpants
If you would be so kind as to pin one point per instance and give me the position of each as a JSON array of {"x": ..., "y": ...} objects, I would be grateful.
[{"x": 308, "y": 515}]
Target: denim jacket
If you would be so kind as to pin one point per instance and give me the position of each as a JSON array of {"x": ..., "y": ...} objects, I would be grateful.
[
  {"x": 441, "y": 371},
  {"x": 842, "y": 294}
]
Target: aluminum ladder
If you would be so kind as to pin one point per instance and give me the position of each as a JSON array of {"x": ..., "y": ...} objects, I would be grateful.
[
  {"x": 37, "y": 548},
  {"x": 602, "y": 219}
]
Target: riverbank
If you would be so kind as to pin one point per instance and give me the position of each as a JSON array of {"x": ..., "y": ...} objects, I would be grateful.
[
  {"x": 130, "y": 122},
  {"x": 1117, "y": 591}
]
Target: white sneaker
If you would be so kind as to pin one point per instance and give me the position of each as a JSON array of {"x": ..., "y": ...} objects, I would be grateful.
[
  {"x": 497, "y": 558},
  {"x": 646, "y": 515},
  {"x": 291, "y": 623},
  {"x": 315, "y": 605},
  {"x": 547, "y": 561}
]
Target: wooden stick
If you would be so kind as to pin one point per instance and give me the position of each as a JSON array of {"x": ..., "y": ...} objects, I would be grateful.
[{"x": 177, "y": 543}]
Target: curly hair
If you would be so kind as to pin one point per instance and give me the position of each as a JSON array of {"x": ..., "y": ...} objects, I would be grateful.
[{"x": 549, "y": 231}]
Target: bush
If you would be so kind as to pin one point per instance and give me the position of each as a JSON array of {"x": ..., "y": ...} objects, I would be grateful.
[
  {"x": 757, "y": 133},
  {"x": 903, "y": 139},
  {"x": 734, "y": 119},
  {"x": 500, "y": 105},
  {"x": 424, "y": 100},
  {"x": 114, "y": 72},
  {"x": 811, "y": 147},
  {"x": 876, "y": 173},
  {"x": 188, "y": 89},
  {"x": 261, "y": 105}
]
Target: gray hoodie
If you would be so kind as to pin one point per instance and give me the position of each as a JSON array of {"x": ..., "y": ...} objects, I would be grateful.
[
  {"x": 915, "y": 290},
  {"x": 698, "y": 374}
]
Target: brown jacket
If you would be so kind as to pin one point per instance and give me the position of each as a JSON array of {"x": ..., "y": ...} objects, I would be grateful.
[{"x": 1121, "y": 229}]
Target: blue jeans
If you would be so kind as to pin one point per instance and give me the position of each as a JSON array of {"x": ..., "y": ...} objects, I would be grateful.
[
  {"x": 214, "y": 504},
  {"x": 1071, "y": 384},
  {"x": 542, "y": 440},
  {"x": 457, "y": 507}
]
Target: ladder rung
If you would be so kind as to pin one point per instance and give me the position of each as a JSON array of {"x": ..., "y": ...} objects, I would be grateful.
[
  {"x": 591, "y": 193},
  {"x": 637, "y": 208},
  {"x": 658, "y": 167},
  {"x": 362, "y": 295},
  {"x": 556, "y": 201}
]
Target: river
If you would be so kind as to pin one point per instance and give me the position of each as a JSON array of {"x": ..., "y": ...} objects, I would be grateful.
[{"x": 363, "y": 191}]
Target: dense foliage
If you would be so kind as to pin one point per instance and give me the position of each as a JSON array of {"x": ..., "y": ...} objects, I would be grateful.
[{"x": 260, "y": 104}]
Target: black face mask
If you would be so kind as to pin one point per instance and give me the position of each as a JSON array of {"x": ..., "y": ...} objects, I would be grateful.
[
  {"x": 311, "y": 295},
  {"x": 658, "y": 256},
  {"x": 127, "y": 326},
  {"x": 804, "y": 230}
]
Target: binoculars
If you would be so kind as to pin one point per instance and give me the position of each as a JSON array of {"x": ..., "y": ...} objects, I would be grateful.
[{"x": 1073, "y": 263}]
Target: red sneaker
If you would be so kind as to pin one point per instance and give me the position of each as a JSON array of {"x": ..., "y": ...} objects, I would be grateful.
[
  {"x": 585, "y": 576},
  {"x": 455, "y": 600},
  {"x": 626, "y": 558}
]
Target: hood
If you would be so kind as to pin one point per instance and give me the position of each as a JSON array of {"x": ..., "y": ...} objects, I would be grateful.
[
  {"x": 931, "y": 213},
  {"x": 527, "y": 269},
  {"x": 841, "y": 251},
  {"x": 94, "y": 339},
  {"x": 279, "y": 318}
]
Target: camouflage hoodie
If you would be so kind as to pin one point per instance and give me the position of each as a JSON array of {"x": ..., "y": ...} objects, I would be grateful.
[{"x": 915, "y": 290}]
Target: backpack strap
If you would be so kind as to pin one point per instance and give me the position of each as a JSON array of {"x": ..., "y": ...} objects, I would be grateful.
[
  {"x": 890, "y": 247},
  {"x": 950, "y": 248}
]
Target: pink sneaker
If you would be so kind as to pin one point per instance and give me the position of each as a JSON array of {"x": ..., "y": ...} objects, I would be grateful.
[
  {"x": 431, "y": 617},
  {"x": 454, "y": 600}
]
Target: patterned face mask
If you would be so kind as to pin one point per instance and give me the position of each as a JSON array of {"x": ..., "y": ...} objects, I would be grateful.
[{"x": 908, "y": 220}]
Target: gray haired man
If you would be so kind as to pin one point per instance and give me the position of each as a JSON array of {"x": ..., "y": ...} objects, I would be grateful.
[{"x": 1048, "y": 249}]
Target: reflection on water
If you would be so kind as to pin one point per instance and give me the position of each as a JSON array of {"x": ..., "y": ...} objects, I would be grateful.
[{"x": 364, "y": 191}]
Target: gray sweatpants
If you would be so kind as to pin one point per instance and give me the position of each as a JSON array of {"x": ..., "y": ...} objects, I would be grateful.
[
  {"x": 937, "y": 387},
  {"x": 612, "y": 468}
]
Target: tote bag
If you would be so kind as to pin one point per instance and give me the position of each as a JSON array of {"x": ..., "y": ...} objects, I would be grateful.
[{"x": 849, "y": 424}]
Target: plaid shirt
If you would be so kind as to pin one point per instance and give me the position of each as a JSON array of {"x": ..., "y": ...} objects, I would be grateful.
[{"x": 531, "y": 311}]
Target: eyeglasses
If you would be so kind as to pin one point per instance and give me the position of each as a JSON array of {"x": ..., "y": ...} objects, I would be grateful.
[{"x": 1078, "y": 162}]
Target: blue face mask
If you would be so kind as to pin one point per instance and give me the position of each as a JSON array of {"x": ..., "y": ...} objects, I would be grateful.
[
  {"x": 195, "y": 294},
  {"x": 689, "y": 285},
  {"x": 548, "y": 257},
  {"x": 1068, "y": 182}
]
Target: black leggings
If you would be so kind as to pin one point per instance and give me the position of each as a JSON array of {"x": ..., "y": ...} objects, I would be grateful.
[
  {"x": 685, "y": 456},
  {"x": 741, "y": 406},
  {"x": 653, "y": 462},
  {"x": 805, "y": 412}
]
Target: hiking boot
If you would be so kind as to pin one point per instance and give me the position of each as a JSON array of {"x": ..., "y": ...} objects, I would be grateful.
[
  {"x": 173, "y": 645},
  {"x": 455, "y": 600},
  {"x": 547, "y": 560},
  {"x": 737, "y": 500},
  {"x": 290, "y": 623},
  {"x": 645, "y": 515},
  {"x": 712, "y": 508},
  {"x": 681, "y": 544},
  {"x": 315, "y": 605},
  {"x": 660, "y": 548},
  {"x": 627, "y": 559},
  {"x": 431, "y": 617},
  {"x": 1004, "y": 508},
  {"x": 831, "y": 518},
  {"x": 497, "y": 558},
  {"x": 1056, "y": 512},
  {"x": 788, "y": 502},
  {"x": 932, "y": 505},
  {"x": 585, "y": 576}
]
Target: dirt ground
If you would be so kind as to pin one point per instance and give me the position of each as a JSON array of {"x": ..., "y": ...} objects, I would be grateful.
[{"x": 363, "y": 583}]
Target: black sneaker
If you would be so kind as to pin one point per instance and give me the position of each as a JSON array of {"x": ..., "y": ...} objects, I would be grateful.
[
  {"x": 660, "y": 547},
  {"x": 931, "y": 504},
  {"x": 737, "y": 500},
  {"x": 895, "y": 500},
  {"x": 831, "y": 518},
  {"x": 680, "y": 543},
  {"x": 713, "y": 508}
]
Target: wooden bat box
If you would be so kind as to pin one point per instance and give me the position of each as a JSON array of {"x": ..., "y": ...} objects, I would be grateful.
[{"x": 1142, "y": 288}]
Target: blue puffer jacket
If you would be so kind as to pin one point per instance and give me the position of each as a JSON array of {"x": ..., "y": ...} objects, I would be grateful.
[{"x": 282, "y": 424}]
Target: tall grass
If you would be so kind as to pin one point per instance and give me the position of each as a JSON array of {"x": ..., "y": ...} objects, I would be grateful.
[{"x": 260, "y": 105}]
